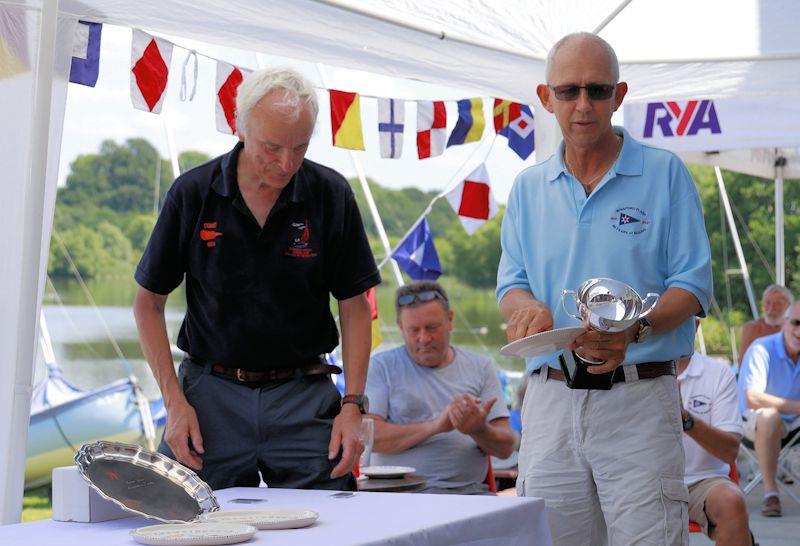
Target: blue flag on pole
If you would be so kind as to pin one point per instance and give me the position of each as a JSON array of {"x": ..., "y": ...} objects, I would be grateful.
[
  {"x": 417, "y": 254},
  {"x": 86, "y": 54}
]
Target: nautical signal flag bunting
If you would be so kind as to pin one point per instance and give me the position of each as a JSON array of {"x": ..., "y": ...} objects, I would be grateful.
[
  {"x": 431, "y": 128},
  {"x": 470, "y": 124},
  {"x": 417, "y": 255},
  {"x": 229, "y": 78},
  {"x": 473, "y": 201},
  {"x": 85, "y": 65},
  {"x": 150, "y": 59},
  {"x": 346, "y": 120},
  {"x": 515, "y": 122}
]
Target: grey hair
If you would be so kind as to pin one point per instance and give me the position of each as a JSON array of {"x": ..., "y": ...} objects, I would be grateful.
[
  {"x": 780, "y": 289},
  {"x": 298, "y": 92},
  {"x": 612, "y": 56}
]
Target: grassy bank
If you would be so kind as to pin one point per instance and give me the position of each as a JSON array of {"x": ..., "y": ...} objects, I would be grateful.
[{"x": 37, "y": 504}]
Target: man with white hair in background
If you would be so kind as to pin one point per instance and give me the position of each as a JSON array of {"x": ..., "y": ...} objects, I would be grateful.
[
  {"x": 774, "y": 302},
  {"x": 263, "y": 237}
]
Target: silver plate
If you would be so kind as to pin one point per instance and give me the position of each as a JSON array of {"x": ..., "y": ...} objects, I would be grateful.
[{"x": 145, "y": 483}]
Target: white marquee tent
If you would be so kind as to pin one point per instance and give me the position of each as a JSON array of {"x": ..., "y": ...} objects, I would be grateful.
[{"x": 676, "y": 50}]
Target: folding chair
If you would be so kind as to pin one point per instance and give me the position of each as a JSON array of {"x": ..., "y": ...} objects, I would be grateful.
[
  {"x": 787, "y": 444},
  {"x": 489, "y": 479},
  {"x": 734, "y": 476}
]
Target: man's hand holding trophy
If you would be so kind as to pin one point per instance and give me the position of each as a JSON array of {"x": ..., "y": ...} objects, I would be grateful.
[{"x": 610, "y": 311}]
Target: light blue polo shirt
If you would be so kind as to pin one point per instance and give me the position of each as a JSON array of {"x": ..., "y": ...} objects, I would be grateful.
[
  {"x": 766, "y": 368},
  {"x": 642, "y": 225}
]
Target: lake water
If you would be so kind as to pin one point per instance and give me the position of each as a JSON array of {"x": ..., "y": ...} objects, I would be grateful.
[{"x": 83, "y": 350}]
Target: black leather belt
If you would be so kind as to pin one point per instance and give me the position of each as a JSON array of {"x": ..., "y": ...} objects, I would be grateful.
[
  {"x": 645, "y": 370},
  {"x": 253, "y": 377}
]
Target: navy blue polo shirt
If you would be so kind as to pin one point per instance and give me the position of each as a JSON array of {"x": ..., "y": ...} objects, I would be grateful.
[{"x": 258, "y": 298}]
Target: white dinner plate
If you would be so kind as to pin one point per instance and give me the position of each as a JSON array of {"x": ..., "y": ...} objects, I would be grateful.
[
  {"x": 387, "y": 471},
  {"x": 193, "y": 534},
  {"x": 271, "y": 518},
  {"x": 542, "y": 343}
]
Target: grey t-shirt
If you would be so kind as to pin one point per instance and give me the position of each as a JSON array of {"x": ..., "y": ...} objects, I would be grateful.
[{"x": 404, "y": 392}]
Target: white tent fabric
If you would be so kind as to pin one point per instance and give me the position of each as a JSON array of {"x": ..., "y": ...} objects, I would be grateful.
[{"x": 676, "y": 50}]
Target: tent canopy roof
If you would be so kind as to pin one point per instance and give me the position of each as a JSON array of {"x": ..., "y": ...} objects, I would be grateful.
[{"x": 714, "y": 48}]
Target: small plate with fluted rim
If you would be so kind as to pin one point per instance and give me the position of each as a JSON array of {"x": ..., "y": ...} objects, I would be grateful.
[
  {"x": 268, "y": 518},
  {"x": 387, "y": 471},
  {"x": 193, "y": 534},
  {"x": 543, "y": 343}
]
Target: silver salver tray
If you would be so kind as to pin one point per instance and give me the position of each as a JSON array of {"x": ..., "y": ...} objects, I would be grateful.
[{"x": 145, "y": 483}]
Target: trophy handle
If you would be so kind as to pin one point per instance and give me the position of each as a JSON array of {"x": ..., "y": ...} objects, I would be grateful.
[
  {"x": 575, "y": 299},
  {"x": 645, "y": 308}
]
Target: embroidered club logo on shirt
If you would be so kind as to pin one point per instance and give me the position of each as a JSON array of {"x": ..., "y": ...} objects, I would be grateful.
[
  {"x": 700, "y": 403},
  {"x": 299, "y": 247},
  {"x": 630, "y": 220},
  {"x": 209, "y": 233}
]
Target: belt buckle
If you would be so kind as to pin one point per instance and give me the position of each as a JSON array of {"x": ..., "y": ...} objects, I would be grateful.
[{"x": 240, "y": 375}]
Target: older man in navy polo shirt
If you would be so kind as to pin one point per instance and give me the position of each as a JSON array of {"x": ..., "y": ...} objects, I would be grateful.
[
  {"x": 608, "y": 463},
  {"x": 263, "y": 237}
]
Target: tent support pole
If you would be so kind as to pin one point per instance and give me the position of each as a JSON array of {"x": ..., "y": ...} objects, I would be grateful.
[
  {"x": 29, "y": 301},
  {"x": 780, "y": 253},
  {"x": 376, "y": 217},
  {"x": 736, "y": 242}
]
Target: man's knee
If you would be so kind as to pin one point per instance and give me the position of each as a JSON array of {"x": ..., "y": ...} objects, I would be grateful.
[
  {"x": 726, "y": 506},
  {"x": 768, "y": 421}
]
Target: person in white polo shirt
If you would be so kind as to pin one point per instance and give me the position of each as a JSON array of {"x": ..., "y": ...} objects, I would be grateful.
[{"x": 712, "y": 428}]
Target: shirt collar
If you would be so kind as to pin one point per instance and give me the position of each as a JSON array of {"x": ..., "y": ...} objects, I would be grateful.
[
  {"x": 779, "y": 345},
  {"x": 630, "y": 161},
  {"x": 226, "y": 184},
  {"x": 695, "y": 367}
]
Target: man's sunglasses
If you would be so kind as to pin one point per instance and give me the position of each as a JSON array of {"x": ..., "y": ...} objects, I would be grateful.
[
  {"x": 424, "y": 297},
  {"x": 595, "y": 91},
  {"x": 794, "y": 321}
]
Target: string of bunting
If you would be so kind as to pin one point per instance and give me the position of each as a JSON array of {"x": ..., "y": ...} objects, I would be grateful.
[
  {"x": 150, "y": 67},
  {"x": 471, "y": 198}
]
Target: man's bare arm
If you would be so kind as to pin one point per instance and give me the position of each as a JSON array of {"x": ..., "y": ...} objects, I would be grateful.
[
  {"x": 496, "y": 438},
  {"x": 721, "y": 444},
  {"x": 748, "y": 337},
  {"x": 355, "y": 322},
  {"x": 394, "y": 438},
  {"x": 182, "y": 424},
  {"x": 757, "y": 400}
]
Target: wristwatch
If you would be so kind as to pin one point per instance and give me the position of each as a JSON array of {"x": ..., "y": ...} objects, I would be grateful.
[
  {"x": 688, "y": 422},
  {"x": 359, "y": 400},
  {"x": 644, "y": 330}
]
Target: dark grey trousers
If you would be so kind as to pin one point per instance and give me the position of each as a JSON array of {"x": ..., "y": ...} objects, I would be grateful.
[{"x": 281, "y": 430}]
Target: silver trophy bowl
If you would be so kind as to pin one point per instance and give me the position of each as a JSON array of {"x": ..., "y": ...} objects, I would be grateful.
[{"x": 608, "y": 305}]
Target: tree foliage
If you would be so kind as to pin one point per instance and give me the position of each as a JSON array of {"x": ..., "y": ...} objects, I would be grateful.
[{"x": 105, "y": 212}]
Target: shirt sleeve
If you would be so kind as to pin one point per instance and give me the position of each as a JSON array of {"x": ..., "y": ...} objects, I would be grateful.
[
  {"x": 725, "y": 406},
  {"x": 511, "y": 271},
  {"x": 377, "y": 389},
  {"x": 354, "y": 270},
  {"x": 162, "y": 266},
  {"x": 688, "y": 250},
  {"x": 491, "y": 389},
  {"x": 755, "y": 366}
]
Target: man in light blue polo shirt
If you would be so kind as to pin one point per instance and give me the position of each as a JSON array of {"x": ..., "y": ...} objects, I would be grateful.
[
  {"x": 769, "y": 399},
  {"x": 609, "y": 463}
]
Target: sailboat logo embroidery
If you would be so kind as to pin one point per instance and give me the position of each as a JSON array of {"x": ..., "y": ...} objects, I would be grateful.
[
  {"x": 299, "y": 247},
  {"x": 209, "y": 233}
]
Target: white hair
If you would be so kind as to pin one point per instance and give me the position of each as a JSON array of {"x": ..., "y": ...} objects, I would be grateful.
[
  {"x": 612, "y": 56},
  {"x": 781, "y": 290},
  {"x": 298, "y": 92}
]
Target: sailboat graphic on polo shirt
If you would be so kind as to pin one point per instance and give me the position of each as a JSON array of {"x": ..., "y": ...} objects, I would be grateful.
[{"x": 299, "y": 247}]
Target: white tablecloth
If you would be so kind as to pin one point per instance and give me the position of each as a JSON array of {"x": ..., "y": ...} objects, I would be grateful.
[{"x": 366, "y": 518}]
